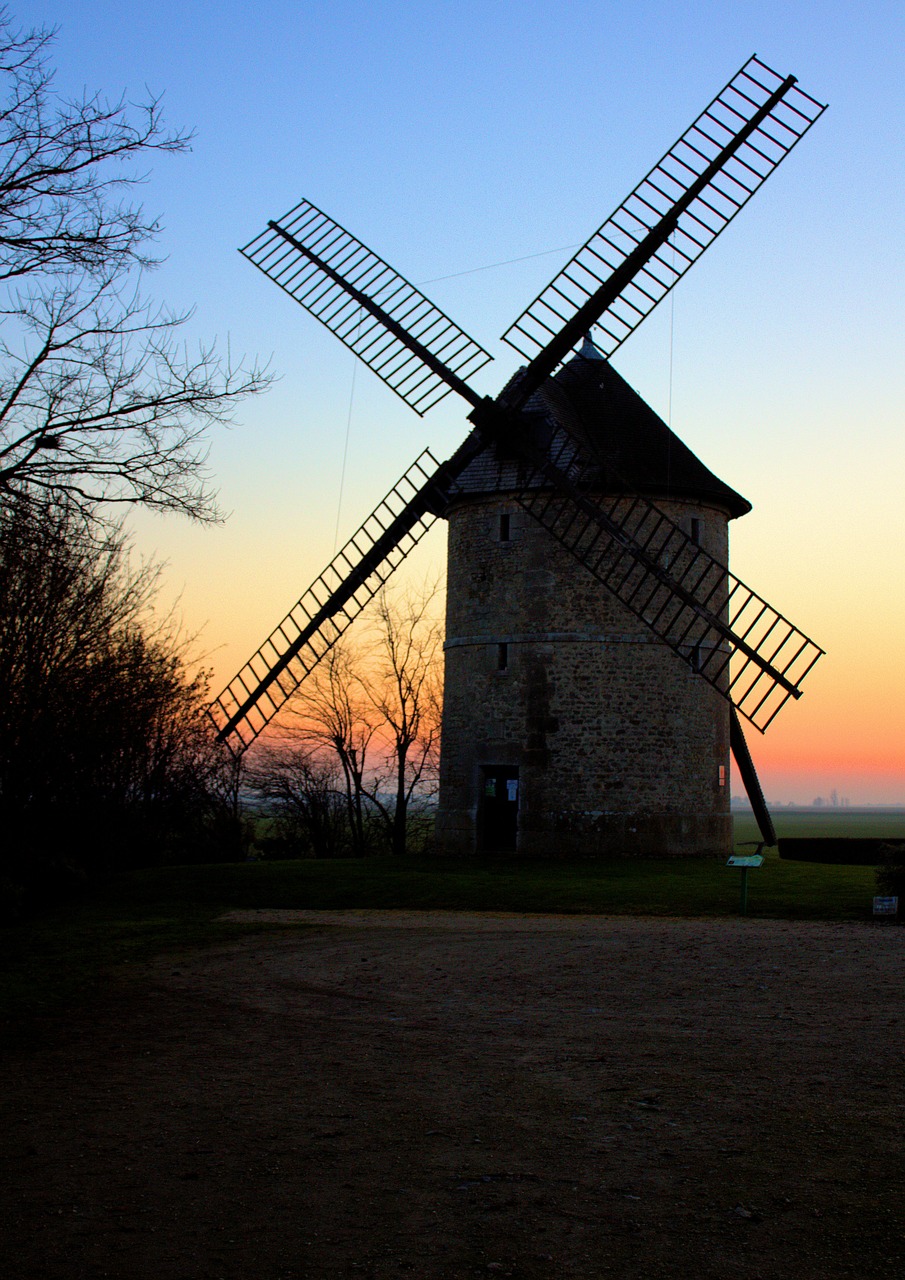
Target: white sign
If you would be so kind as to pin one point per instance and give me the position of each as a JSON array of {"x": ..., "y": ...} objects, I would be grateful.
[{"x": 886, "y": 906}]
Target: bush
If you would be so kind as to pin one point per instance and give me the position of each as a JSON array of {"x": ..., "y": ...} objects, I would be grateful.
[{"x": 853, "y": 851}]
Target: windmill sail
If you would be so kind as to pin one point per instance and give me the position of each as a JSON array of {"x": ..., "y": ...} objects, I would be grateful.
[
  {"x": 334, "y": 276},
  {"x": 336, "y": 598},
  {"x": 633, "y": 260},
  {"x": 731, "y": 636}
]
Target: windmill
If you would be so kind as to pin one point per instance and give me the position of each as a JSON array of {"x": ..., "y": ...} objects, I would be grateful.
[{"x": 626, "y": 546}]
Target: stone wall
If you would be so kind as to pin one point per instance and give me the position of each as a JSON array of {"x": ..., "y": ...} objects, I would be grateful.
[{"x": 619, "y": 746}]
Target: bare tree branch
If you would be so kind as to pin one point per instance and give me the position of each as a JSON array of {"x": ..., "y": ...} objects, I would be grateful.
[
  {"x": 405, "y": 688},
  {"x": 100, "y": 401},
  {"x": 371, "y": 713},
  {"x": 63, "y": 164}
]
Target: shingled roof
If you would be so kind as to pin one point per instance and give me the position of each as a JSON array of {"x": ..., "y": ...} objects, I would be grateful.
[{"x": 632, "y": 448}]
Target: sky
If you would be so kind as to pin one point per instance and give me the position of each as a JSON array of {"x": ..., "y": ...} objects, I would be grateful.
[{"x": 474, "y": 145}]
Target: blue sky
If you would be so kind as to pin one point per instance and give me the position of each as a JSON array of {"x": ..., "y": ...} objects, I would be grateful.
[{"x": 452, "y": 137}]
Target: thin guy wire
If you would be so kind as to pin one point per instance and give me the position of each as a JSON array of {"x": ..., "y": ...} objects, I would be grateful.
[
  {"x": 342, "y": 475},
  {"x": 507, "y": 262}
]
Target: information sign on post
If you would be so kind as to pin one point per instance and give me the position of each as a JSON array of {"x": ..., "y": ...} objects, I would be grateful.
[{"x": 745, "y": 863}]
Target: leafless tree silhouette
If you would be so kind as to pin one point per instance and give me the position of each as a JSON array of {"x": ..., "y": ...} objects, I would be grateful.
[{"x": 100, "y": 401}]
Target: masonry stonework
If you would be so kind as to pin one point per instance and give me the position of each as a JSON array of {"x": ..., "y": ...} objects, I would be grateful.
[{"x": 619, "y": 747}]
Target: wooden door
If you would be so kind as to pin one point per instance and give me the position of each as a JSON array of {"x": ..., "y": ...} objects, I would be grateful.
[{"x": 498, "y": 831}]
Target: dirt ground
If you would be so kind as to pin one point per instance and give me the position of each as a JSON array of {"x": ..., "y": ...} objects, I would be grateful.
[{"x": 439, "y": 1096}]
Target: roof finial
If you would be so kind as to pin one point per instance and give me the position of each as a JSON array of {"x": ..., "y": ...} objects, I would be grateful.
[{"x": 588, "y": 350}]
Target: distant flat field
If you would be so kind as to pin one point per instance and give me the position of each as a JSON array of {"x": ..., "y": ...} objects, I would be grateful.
[{"x": 828, "y": 821}]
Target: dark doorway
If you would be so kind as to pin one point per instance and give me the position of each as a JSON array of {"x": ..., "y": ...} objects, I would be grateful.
[{"x": 498, "y": 824}]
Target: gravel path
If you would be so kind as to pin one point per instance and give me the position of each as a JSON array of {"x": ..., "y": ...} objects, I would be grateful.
[{"x": 446, "y": 1096}]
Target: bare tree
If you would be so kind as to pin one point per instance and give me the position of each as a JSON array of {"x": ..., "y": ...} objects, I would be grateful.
[
  {"x": 327, "y": 735},
  {"x": 230, "y": 825},
  {"x": 99, "y": 402},
  {"x": 334, "y": 713},
  {"x": 405, "y": 688},
  {"x": 303, "y": 789},
  {"x": 369, "y": 716}
]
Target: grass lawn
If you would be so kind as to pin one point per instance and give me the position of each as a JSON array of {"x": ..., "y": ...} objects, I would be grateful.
[{"x": 51, "y": 959}]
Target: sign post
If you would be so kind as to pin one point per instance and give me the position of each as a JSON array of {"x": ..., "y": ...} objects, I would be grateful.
[{"x": 745, "y": 863}]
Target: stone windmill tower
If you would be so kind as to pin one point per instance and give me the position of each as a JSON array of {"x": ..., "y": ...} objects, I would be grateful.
[
  {"x": 567, "y": 728},
  {"x": 600, "y": 651}
]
